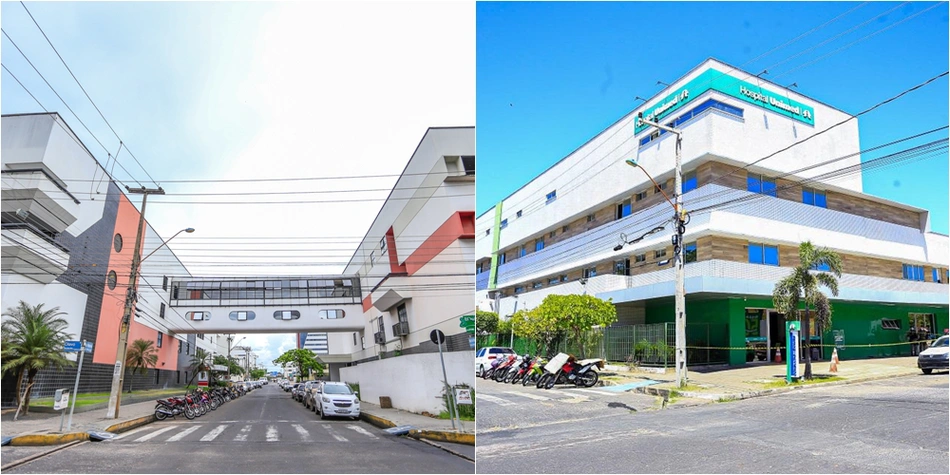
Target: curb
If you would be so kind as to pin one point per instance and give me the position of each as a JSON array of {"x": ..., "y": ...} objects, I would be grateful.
[
  {"x": 457, "y": 454},
  {"x": 376, "y": 420},
  {"x": 17, "y": 463},
  {"x": 442, "y": 436},
  {"x": 58, "y": 439}
]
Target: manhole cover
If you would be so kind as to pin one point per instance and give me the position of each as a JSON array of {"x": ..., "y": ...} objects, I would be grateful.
[{"x": 101, "y": 435}]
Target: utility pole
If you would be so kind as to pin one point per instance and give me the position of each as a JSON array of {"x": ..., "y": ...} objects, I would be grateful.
[
  {"x": 118, "y": 374},
  {"x": 679, "y": 220},
  {"x": 230, "y": 339}
]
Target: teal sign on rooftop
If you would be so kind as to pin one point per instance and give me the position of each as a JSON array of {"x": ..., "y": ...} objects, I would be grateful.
[{"x": 715, "y": 80}]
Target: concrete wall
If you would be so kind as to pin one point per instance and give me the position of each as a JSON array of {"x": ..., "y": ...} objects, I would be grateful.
[{"x": 413, "y": 382}]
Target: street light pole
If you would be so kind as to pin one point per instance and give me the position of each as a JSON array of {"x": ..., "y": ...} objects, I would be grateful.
[{"x": 678, "y": 258}]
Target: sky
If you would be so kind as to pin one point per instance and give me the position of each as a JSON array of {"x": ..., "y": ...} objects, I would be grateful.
[
  {"x": 550, "y": 76},
  {"x": 248, "y": 91}
]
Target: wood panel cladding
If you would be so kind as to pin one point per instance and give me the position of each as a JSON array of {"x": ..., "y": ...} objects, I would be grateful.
[
  {"x": 873, "y": 210},
  {"x": 722, "y": 174}
]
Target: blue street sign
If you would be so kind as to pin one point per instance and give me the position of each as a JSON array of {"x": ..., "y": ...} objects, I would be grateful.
[
  {"x": 72, "y": 345},
  {"x": 89, "y": 347}
]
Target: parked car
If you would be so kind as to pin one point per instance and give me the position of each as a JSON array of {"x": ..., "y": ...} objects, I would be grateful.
[
  {"x": 298, "y": 392},
  {"x": 937, "y": 356},
  {"x": 337, "y": 399},
  {"x": 311, "y": 394},
  {"x": 485, "y": 356},
  {"x": 292, "y": 389}
]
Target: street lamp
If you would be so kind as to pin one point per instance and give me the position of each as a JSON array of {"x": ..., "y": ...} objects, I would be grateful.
[
  {"x": 680, "y": 219},
  {"x": 118, "y": 374}
]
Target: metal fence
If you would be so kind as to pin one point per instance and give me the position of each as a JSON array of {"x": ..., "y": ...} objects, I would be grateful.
[{"x": 644, "y": 345}]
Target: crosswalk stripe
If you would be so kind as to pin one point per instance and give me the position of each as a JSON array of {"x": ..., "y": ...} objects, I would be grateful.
[
  {"x": 134, "y": 431},
  {"x": 272, "y": 434},
  {"x": 303, "y": 432},
  {"x": 242, "y": 436},
  {"x": 362, "y": 431},
  {"x": 183, "y": 434},
  {"x": 214, "y": 433},
  {"x": 605, "y": 393},
  {"x": 155, "y": 434},
  {"x": 529, "y": 395},
  {"x": 496, "y": 400},
  {"x": 333, "y": 433}
]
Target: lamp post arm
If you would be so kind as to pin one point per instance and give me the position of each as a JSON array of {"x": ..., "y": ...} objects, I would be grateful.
[{"x": 164, "y": 243}]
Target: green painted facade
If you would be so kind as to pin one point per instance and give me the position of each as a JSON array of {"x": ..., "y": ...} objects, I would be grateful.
[{"x": 721, "y": 322}]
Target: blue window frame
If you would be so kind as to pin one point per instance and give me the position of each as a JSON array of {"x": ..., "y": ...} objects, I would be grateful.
[
  {"x": 538, "y": 245},
  {"x": 814, "y": 197},
  {"x": 912, "y": 272},
  {"x": 709, "y": 104},
  {"x": 763, "y": 254},
  {"x": 760, "y": 184},
  {"x": 551, "y": 197},
  {"x": 822, "y": 267},
  {"x": 502, "y": 258},
  {"x": 504, "y": 224},
  {"x": 936, "y": 274},
  {"x": 689, "y": 182},
  {"x": 523, "y": 252}
]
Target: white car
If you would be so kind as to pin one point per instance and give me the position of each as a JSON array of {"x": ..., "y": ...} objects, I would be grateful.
[
  {"x": 937, "y": 356},
  {"x": 337, "y": 399},
  {"x": 485, "y": 356}
]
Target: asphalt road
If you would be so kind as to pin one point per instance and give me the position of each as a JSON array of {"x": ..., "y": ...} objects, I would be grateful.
[
  {"x": 263, "y": 432},
  {"x": 890, "y": 426}
]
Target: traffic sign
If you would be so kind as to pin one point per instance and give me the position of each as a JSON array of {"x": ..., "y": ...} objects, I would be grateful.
[
  {"x": 61, "y": 399},
  {"x": 72, "y": 345},
  {"x": 468, "y": 323},
  {"x": 463, "y": 396},
  {"x": 89, "y": 347},
  {"x": 437, "y": 336}
]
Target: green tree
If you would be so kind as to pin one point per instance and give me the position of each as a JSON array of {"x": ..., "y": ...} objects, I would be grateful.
[
  {"x": 232, "y": 364},
  {"x": 486, "y": 322},
  {"x": 258, "y": 373},
  {"x": 200, "y": 361},
  {"x": 302, "y": 359},
  {"x": 140, "y": 356},
  {"x": 802, "y": 285},
  {"x": 575, "y": 314},
  {"x": 33, "y": 340}
]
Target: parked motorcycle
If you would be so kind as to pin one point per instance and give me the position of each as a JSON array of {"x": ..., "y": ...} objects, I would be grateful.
[
  {"x": 522, "y": 370},
  {"x": 565, "y": 369}
]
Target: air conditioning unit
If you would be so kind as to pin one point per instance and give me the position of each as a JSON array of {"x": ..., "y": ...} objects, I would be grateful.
[
  {"x": 380, "y": 338},
  {"x": 401, "y": 329}
]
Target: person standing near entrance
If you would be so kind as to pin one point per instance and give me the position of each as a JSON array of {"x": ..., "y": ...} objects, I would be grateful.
[{"x": 912, "y": 338}]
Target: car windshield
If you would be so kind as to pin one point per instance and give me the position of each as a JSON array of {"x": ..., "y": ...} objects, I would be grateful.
[
  {"x": 506, "y": 351},
  {"x": 942, "y": 341},
  {"x": 337, "y": 389}
]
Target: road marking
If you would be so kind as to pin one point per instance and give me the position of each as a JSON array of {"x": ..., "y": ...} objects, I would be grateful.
[
  {"x": 362, "y": 431},
  {"x": 528, "y": 395},
  {"x": 332, "y": 432},
  {"x": 182, "y": 434},
  {"x": 140, "y": 429},
  {"x": 242, "y": 436},
  {"x": 605, "y": 393},
  {"x": 303, "y": 432},
  {"x": 496, "y": 400},
  {"x": 214, "y": 433},
  {"x": 155, "y": 434},
  {"x": 272, "y": 434}
]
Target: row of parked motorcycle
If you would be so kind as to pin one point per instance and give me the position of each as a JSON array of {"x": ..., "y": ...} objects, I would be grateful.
[
  {"x": 561, "y": 369},
  {"x": 199, "y": 402}
]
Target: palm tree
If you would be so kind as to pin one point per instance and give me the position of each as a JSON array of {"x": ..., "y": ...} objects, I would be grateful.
[
  {"x": 200, "y": 361},
  {"x": 33, "y": 340},
  {"x": 140, "y": 356},
  {"x": 803, "y": 285}
]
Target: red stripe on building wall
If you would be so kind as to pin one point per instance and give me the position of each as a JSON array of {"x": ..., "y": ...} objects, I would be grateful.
[
  {"x": 460, "y": 225},
  {"x": 393, "y": 257},
  {"x": 367, "y": 303}
]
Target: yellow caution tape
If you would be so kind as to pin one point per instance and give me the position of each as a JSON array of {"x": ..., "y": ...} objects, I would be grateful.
[{"x": 829, "y": 345}]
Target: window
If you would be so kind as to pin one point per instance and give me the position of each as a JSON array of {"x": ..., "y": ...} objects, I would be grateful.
[
  {"x": 658, "y": 188},
  {"x": 519, "y": 290},
  {"x": 468, "y": 162},
  {"x": 689, "y": 182},
  {"x": 564, "y": 278},
  {"x": 565, "y": 228},
  {"x": 763, "y": 254},
  {"x": 689, "y": 252},
  {"x": 179, "y": 347},
  {"x": 538, "y": 245},
  {"x": 372, "y": 257},
  {"x": 112, "y": 280},
  {"x": 821, "y": 267},
  {"x": 711, "y": 104},
  {"x": 552, "y": 234},
  {"x": 354, "y": 338},
  {"x": 814, "y": 197},
  {"x": 554, "y": 280},
  {"x": 537, "y": 285},
  {"x": 286, "y": 315},
  {"x": 518, "y": 214},
  {"x": 165, "y": 282},
  {"x": 158, "y": 341},
  {"x": 550, "y": 197},
  {"x": 659, "y": 254},
  {"x": 641, "y": 196},
  {"x": 331, "y": 314},
  {"x": 402, "y": 313},
  {"x": 622, "y": 267},
  {"x": 590, "y": 272},
  {"x": 524, "y": 251},
  {"x": 161, "y": 310},
  {"x": 504, "y": 224},
  {"x": 936, "y": 275},
  {"x": 242, "y": 315},
  {"x": 488, "y": 232},
  {"x": 760, "y": 184},
  {"x": 380, "y": 328},
  {"x": 640, "y": 258},
  {"x": 382, "y": 245},
  {"x": 623, "y": 209},
  {"x": 912, "y": 272},
  {"x": 198, "y": 316},
  {"x": 201, "y": 336},
  {"x": 504, "y": 257},
  {"x": 890, "y": 324},
  {"x": 117, "y": 242}
]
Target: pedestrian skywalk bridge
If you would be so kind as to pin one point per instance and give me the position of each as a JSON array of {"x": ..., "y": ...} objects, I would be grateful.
[{"x": 242, "y": 431}]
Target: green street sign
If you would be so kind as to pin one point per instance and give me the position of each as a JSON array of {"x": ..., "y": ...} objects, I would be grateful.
[{"x": 468, "y": 323}]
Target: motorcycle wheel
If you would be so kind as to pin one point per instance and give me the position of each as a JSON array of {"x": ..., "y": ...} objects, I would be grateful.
[
  {"x": 213, "y": 404},
  {"x": 550, "y": 383},
  {"x": 588, "y": 379},
  {"x": 543, "y": 380},
  {"x": 517, "y": 378},
  {"x": 510, "y": 376},
  {"x": 500, "y": 375},
  {"x": 189, "y": 413},
  {"x": 488, "y": 374},
  {"x": 160, "y": 415},
  {"x": 528, "y": 380}
]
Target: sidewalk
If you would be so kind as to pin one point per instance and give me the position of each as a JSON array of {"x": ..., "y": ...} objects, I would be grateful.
[
  {"x": 708, "y": 385},
  {"x": 439, "y": 432},
  {"x": 40, "y": 428}
]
